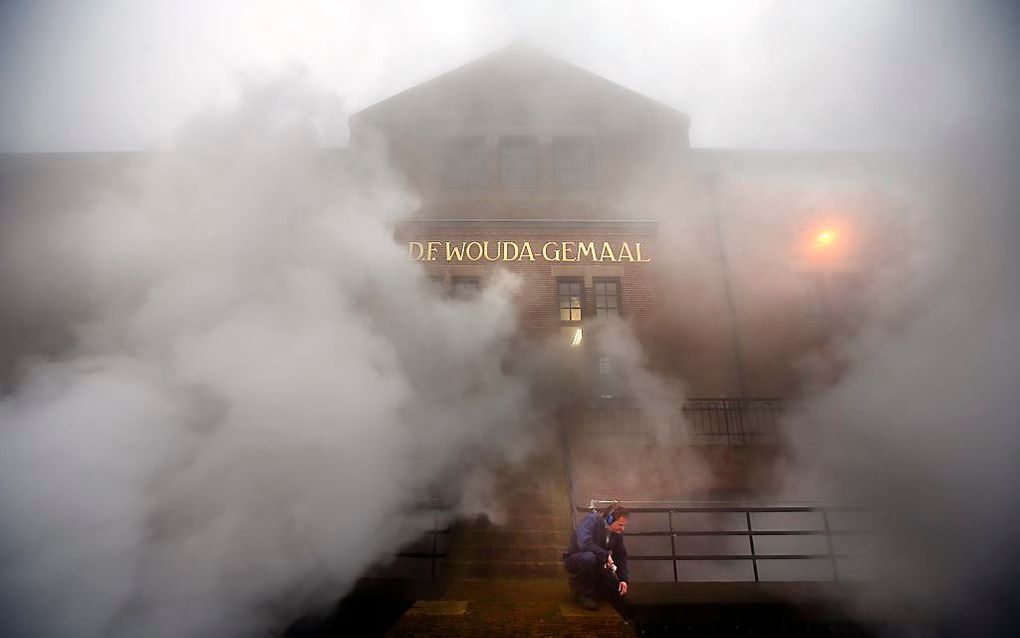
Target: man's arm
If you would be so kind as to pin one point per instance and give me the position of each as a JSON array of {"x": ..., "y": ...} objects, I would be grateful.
[
  {"x": 586, "y": 538},
  {"x": 620, "y": 558}
]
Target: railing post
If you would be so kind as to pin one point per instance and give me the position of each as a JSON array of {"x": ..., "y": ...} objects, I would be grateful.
[
  {"x": 750, "y": 539},
  {"x": 672, "y": 545},
  {"x": 435, "y": 539},
  {"x": 738, "y": 410},
  {"x": 828, "y": 541}
]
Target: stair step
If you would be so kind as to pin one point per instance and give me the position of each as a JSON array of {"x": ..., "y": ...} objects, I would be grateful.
[
  {"x": 515, "y": 537},
  {"x": 503, "y": 554},
  {"x": 559, "y": 520},
  {"x": 520, "y": 569},
  {"x": 548, "y": 497}
]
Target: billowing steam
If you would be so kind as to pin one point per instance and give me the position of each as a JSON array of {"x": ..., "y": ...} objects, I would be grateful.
[
  {"x": 262, "y": 392},
  {"x": 922, "y": 423}
]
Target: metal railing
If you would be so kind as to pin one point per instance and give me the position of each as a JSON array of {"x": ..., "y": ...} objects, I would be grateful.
[
  {"x": 693, "y": 422},
  {"x": 747, "y": 512},
  {"x": 431, "y": 540}
]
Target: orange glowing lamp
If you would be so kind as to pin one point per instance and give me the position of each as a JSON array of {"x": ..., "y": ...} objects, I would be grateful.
[{"x": 826, "y": 237}]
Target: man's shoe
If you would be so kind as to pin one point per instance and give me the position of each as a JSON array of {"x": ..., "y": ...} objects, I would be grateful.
[{"x": 587, "y": 602}]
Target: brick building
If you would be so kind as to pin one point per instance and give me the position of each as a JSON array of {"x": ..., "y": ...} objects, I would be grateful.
[
  {"x": 592, "y": 194},
  {"x": 732, "y": 268}
]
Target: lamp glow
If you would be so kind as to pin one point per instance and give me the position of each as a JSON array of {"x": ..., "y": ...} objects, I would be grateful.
[
  {"x": 577, "y": 338},
  {"x": 826, "y": 237}
]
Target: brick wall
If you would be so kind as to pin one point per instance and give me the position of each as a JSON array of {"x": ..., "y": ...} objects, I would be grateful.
[{"x": 537, "y": 302}]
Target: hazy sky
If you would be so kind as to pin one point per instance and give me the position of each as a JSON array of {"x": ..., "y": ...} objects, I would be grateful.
[{"x": 123, "y": 74}]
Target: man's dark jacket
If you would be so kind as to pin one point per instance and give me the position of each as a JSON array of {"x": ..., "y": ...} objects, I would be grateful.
[{"x": 590, "y": 536}]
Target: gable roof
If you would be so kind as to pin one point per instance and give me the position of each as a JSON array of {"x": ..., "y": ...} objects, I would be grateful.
[{"x": 531, "y": 69}]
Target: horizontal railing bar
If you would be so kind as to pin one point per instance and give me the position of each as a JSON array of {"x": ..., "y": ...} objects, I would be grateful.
[
  {"x": 774, "y": 532},
  {"x": 699, "y": 400},
  {"x": 748, "y": 557},
  {"x": 761, "y": 509}
]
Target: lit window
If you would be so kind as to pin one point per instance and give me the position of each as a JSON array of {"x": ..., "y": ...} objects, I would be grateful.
[
  {"x": 518, "y": 160},
  {"x": 607, "y": 298},
  {"x": 573, "y": 161},
  {"x": 464, "y": 161},
  {"x": 464, "y": 287},
  {"x": 569, "y": 295}
]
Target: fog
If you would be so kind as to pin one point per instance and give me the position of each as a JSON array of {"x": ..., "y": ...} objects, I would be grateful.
[
  {"x": 118, "y": 75},
  {"x": 246, "y": 388},
  {"x": 244, "y": 422},
  {"x": 922, "y": 420}
]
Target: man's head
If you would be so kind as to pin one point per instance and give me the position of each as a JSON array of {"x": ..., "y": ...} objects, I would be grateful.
[{"x": 616, "y": 518}]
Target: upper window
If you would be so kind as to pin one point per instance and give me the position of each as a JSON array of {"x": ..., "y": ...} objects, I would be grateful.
[
  {"x": 464, "y": 287},
  {"x": 568, "y": 291},
  {"x": 607, "y": 297},
  {"x": 573, "y": 161},
  {"x": 518, "y": 160},
  {"x": 464, "y": 161}
]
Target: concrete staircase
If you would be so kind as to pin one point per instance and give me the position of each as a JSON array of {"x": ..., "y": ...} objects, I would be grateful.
[
  {"x": 531, "y": 541},
  {"x": 508, "y": 579}
]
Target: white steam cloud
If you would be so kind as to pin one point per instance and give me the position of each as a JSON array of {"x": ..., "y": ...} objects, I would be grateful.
[
  {"x": 922, "y": 423},
  {"x": 264, "y": 389}
]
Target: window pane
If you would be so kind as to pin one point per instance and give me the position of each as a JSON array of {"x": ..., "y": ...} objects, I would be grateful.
[
  {"x": 572, "y": 161},
  {"x": 518, "y": 161},
  {"x": 569, "y": 299},
  {"x": 436, "y": 283},
  {"x": 465, "y": 287},
  {"x": 607, "y": 298},
  {"x": 464, "y": 161}
]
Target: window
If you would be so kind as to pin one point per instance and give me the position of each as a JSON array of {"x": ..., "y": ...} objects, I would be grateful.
[
  {"x": 464, "y": 161},
  {"x": 605, "y": 366},
  {"x": 437, "y": 284},
  {"x": 607, "y": 298},
  {"x": 569, "y": 295},
  {"x": 518, "y": 160},
  {"x": 573, "y": 161},
  {"x": 464, "y": 287}
]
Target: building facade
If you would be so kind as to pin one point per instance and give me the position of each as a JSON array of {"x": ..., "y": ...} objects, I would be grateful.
[{"x": 734, "y": 270}]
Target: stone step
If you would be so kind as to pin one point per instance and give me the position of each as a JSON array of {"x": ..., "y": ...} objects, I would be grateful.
[
  {"x": 559, "y": 525},
  {"x": 532, "y": 509},
  {"x": 556, "y": 520},
  {"x": 551, "y": 495},
  {"x": 510, "y": 569},
  {"x": 513, "y": 537},
  {"x": 502, "y": 554}
]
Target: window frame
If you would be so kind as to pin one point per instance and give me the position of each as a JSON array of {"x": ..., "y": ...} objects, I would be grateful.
[
  {"x": 503, "y": 164},
  {"x": 569, "y": 308},
  {"x": 452, "y": 142},
  {"x": 563, "y": 141},
  {"x": 601, "y": 312},
  {"x": 454, "y": 281}
]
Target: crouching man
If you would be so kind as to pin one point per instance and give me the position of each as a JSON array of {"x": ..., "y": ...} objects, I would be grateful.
[{"x": 596, "y": 559}]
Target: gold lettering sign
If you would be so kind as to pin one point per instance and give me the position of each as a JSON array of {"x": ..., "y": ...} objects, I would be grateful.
[{"x": 508, "y": 251}]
